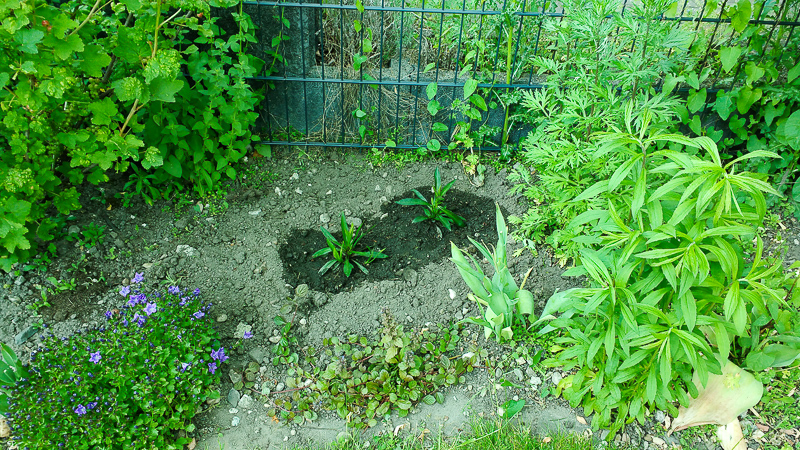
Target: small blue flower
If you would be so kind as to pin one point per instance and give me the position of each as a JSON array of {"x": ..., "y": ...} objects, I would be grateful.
[
  {"x": 125, "y": 291},
  {"x": 219, "y": 354},
  {"x": 81, "y": 410},
  {"x": 212, "y": 367},
  {"x": 184, "y": 366},
  {"x": 174, "y": 290},
  {"x": 199, "y": 314},
  {"x": 150, "y": 308},
  {"x": 95, "y": 357},
  {"x": 247, "y": 335},
  {"x": 138, "y": 278}
]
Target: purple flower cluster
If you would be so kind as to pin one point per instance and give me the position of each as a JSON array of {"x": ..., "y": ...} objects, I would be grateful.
[
  {"x": 107, "y": 349},
  {"x": 136, "y": 299},
  {"x": 219, "y": 355}
]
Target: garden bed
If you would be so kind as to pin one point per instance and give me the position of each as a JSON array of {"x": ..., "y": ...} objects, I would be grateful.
[{"x": 248, "y": 251}]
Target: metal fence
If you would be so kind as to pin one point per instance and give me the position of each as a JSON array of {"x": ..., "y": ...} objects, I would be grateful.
[{"x": 356, "y": 75}]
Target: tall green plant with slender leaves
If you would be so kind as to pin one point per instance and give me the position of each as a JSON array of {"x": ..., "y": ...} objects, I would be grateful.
[
  {"x": 608, "y": 57},
  {"x": 671, "y": 292}
]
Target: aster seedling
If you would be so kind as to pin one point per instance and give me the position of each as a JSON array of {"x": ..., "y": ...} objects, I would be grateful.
[
  {"x": 344, "y": 252},
  {"x": 435, "y": 208}
]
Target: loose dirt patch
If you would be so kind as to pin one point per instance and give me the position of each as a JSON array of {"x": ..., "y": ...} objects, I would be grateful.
[{"x": 248, "y": 258}]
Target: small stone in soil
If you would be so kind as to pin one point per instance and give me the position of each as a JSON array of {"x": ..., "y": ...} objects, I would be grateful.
[
  {"x": 233, "y": 397},
  {"x": 235, "y": 421},
  {"x": 24, "y": 335},
  {"x": 235, "y": 377},
  {"x": 222, "y": 318},
  {"x": 246, "y": 402}
]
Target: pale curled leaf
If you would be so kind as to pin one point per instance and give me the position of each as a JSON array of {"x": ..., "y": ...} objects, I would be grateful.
[
  {"x": 722, "y": 400},
  {"x": 731, "y": 437}
]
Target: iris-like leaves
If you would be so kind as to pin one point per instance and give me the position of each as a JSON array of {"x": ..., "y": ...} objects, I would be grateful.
[{"x": 344, "y": 252}]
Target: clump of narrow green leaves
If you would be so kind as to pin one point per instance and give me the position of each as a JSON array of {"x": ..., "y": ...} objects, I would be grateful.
[
  {"x": 365, "y": 380},
  {"x": 344, "y": 252},
  {"x": 503, "y": 302},
  {"x": 671, "y": 293},
  {"x": 435, "y": 208}
]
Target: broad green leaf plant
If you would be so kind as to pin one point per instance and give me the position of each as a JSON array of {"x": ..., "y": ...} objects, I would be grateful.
[
  {"x": 502, "y": 302},
  {"x": 671, "y": 290},
  {"x": 87, "y": 88},
  {"x": 11, "y": 370},
  {"x": 344, "y": 252},
  {"x": 435, "y": 209}
]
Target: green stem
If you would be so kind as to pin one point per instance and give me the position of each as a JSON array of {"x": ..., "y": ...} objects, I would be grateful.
[
  {"x": 155, "y": 30},
  {"x": 508, "y": 81},
  {"x": 86, "y": 20}
]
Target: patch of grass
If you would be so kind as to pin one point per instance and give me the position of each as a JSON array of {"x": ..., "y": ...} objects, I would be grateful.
[
  {"x": 485, "y": 435},
  {"x": 780, "y": 403}
]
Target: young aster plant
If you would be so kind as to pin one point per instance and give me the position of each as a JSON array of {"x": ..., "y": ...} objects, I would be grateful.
[
  {"x": 435, "y": 209},
  {"x": 129, "y": 384},
  {"x": 345, "y": 251}
]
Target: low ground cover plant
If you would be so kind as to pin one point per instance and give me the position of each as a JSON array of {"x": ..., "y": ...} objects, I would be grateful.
[
  {"x": 365, "y": 380},
  {"x": 504, "y": 304},
  {"x": 132, "y": 383},
  {"x": 435, "y": 209},
  {"x": 344, "y": 252}
]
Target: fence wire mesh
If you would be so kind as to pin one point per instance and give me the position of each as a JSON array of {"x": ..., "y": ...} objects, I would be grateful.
[{"x": 344, "y": 74}]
